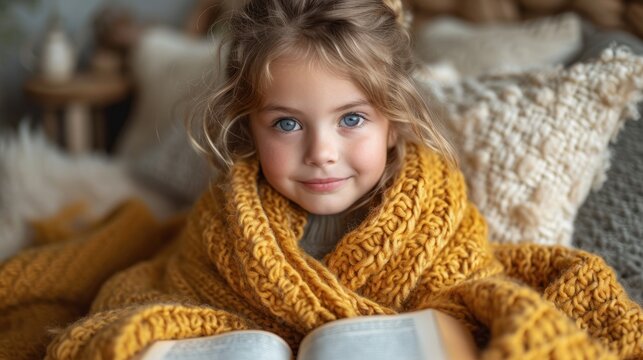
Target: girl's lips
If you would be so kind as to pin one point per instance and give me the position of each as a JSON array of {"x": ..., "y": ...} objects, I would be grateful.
[{"x": 324, "y": 185}]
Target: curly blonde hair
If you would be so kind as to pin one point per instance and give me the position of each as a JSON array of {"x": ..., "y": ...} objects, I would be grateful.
[{"x": 364, "y": 39}]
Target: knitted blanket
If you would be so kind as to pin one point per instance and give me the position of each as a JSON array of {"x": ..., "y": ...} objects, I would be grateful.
[{"x": 234, "y": 263}]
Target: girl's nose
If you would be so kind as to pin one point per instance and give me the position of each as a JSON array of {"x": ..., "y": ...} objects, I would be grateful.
[{"x": 321, "y": 150}]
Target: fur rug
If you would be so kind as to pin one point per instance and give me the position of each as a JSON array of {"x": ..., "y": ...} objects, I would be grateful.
[{"x": 37, "y": 179}]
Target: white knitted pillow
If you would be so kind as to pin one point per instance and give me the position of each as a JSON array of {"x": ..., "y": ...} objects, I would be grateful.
[
  {"x": 171, "y": 69},
  {"x": 532, "y": 145},
  {"x": 476, "y": 49}
]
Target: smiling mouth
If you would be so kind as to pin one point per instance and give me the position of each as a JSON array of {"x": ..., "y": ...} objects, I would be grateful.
[{"x": 324, "y": 185}]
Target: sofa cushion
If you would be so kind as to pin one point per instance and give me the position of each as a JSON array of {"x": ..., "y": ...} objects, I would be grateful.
[
  {"x": 533, "y": 144},
  {"x": 173, "y": 167},
  {"x": 171, "y": 70},
  {"x": 475, "y": 49},
  {"x": 610, "y": 222}
]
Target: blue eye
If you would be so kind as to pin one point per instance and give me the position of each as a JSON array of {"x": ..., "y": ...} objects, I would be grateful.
[
  {"x": 287, "y": 125},
  {"x": 352, "y": 120}
]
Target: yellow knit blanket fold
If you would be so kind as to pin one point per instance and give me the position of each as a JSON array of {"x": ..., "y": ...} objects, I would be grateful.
[{"x": 235, "y": 263}]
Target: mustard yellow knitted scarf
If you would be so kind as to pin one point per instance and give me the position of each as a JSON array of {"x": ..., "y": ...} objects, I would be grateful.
[{"x": 234, "y": 263}]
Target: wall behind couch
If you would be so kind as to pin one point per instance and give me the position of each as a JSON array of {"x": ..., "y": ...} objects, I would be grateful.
[{"x": 23, "y": 23}]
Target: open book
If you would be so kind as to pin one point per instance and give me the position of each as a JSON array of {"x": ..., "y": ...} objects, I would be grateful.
[{"x": 424, "y": 334}]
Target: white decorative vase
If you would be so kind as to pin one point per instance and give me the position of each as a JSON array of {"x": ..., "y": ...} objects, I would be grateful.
[{"x": 57, "y": 62}]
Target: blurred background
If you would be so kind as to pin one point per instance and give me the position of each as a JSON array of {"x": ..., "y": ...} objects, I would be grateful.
[{"x": 25, "y": 25}]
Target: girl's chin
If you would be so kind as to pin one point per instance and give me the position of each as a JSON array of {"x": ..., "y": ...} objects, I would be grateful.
[
  {"x": 325, "y": 212},
  {"x": 325, "y": 209}
]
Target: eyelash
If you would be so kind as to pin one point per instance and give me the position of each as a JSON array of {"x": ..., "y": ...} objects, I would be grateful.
[{"x": 360, "y": 116}]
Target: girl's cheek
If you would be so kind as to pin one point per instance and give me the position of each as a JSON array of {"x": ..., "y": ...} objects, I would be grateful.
[
  {"x": 369, "y": 153},
  {"x": 276, "y": 156}
]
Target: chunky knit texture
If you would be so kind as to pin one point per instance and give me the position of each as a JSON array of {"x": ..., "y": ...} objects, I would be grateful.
[
  {"x": 533, "y": 144},
  {"x": 236, "y": 264}
]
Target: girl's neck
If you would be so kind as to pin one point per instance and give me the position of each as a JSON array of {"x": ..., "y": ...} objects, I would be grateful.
[{"x": 323, "y": 232}]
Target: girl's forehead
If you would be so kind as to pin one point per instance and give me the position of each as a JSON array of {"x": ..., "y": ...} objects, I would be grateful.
[
  {"x": 315, "y": 60},
  {"x": 309, "y": 62}
]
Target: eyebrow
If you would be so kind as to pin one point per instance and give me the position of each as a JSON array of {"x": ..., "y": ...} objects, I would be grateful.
[{"x": 281, "y": 108}]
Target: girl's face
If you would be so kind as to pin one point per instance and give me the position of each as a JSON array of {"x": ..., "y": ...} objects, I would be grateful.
[{"x": 320, "y": 143}]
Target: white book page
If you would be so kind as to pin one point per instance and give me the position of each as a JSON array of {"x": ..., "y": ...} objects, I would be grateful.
[
  {"x": 234, "y": 345},
  {"x": 381, "y": 337}
]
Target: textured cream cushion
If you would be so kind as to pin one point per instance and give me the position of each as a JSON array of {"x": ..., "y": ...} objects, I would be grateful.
[
  {"x": 532, "y": 145},
  {"x": 475, "y": 49},
  {"x": 170, "y": 69}
]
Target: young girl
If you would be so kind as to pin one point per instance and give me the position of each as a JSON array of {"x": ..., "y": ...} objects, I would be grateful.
[{"x": 338, "y": 199}]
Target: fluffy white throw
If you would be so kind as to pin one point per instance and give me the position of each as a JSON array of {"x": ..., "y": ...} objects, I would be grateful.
[{"x": 37, "y": 179}]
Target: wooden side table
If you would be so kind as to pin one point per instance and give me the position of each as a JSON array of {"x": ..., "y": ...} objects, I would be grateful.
[{"x": 77, "y": 98}]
